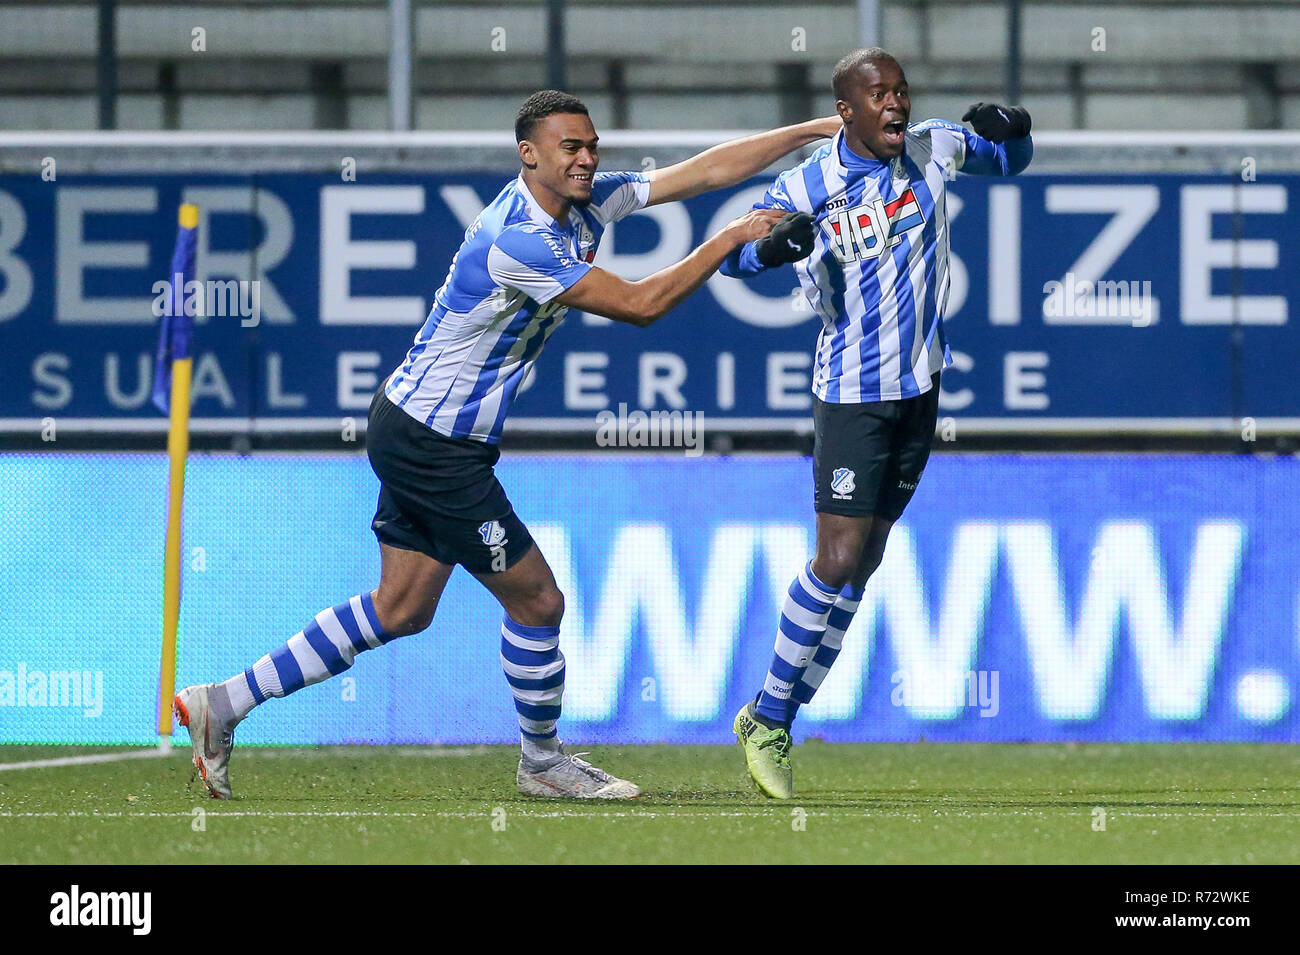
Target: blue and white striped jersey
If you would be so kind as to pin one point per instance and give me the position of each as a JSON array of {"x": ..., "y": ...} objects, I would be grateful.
[
  {"x": 494, "y": 312},
  {"x": 878, "y": 273}
]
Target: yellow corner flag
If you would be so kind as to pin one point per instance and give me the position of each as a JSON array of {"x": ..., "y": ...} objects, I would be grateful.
[{"x": 171, "y": 391}]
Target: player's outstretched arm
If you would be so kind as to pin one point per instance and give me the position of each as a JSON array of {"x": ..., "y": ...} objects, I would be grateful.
[
  {"x": 1001, "y": 145},
  {"x": 735, "y": 161},
  {"x": 791, "y": 239},
  {"x": 645, "y": 302}
]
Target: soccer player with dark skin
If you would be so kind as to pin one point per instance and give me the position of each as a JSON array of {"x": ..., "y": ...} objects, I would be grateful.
[
  {"x": 875, "y": 110},
  {"x": 876, "y": 397},
  {"x": 559, "y": 152}
]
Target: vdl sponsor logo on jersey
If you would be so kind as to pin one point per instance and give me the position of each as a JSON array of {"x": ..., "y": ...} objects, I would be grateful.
[
  {"x": 842, "y": 486},
  {"x": 867, "y": 231}
]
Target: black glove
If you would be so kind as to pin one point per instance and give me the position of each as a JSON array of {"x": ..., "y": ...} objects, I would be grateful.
[
  {"x": 998, "y": 123},
  {"x": 790, "y": 240}
]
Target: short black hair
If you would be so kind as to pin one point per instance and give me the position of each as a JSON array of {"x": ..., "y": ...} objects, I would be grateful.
[
  {"x": 846, "y": 69},
  {"x": 541, "y": 104}
]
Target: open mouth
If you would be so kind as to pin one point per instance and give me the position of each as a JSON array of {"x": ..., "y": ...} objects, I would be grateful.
[
  {"x": 580, "y": 177},
  {"x": 893, "y": 131}
]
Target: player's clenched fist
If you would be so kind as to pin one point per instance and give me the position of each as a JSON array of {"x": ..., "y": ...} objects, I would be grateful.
[
  {"x": 790, "y": 240},
  {"x": 997, "y": 123},
  {"x": 755, "y": 224}
]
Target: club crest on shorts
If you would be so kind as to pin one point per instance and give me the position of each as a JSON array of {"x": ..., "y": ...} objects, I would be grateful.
[
  {"x": 493, "y": 534},
  {"x": 842, "y": 486}
]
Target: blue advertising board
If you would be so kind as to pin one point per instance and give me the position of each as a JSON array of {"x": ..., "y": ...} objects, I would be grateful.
[
  {"x": 1149, "y": 296},
  {"x": 1115, "y": 597}
]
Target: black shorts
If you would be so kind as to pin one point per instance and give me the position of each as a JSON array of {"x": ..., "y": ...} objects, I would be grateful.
[
  {"x": 868, "y": 458},
  {"x": 439, "y": 495}
]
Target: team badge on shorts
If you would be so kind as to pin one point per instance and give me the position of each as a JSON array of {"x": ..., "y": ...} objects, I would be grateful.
[
  {"x": 842, "y": 486},
  {"x": 493, "y": 534}
]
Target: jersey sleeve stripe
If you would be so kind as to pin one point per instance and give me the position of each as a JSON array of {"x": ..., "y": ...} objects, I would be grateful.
[{"x": 514, "y": 274}]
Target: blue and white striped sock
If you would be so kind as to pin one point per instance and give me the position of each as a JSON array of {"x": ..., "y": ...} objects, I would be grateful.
[
  {"x": 534, "y": 668},
  {"x": 808, "y": 603},
  {"x": 841, "y": 615},
  {"x": 324, "y": 648}
]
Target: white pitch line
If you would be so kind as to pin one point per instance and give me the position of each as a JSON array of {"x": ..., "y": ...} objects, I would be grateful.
[
  {"x": 648, "y": 813},
  {"x": 366, "y": 752},
  {"x": 161, "y": 750},
  {"x": 448, "y": 814},
  {"x": 256, "y": 753}
]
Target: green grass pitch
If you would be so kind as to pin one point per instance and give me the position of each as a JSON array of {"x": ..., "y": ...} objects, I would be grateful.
[{"x": 916, "y": 803}]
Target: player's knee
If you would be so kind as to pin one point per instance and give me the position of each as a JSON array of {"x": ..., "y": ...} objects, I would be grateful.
[
  {"x": 545, "y": 608},
  {"x": 402, "y": 618},
  {"x": 835, "y": 564},
  {"x": 417, "y": 621},
  {"x": 874, "y": 550},
  {"x": 405, "y": 624},
  {"x": 550, "y": 607},
  {"x": 871, "y": 559}
]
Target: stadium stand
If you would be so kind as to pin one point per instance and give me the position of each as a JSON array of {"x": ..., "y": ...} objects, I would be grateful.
[{"x": 652, "y": 64}]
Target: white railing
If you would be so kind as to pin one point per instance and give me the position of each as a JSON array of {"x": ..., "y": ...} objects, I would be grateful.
[{"x": 1208, "y": 151}]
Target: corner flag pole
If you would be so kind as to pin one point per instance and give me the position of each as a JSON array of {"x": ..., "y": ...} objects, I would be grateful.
[{"x": 172, "y": 387}]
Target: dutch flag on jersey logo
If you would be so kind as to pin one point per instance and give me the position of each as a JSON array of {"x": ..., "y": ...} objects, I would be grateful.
[{"x": 904, "y": 213}]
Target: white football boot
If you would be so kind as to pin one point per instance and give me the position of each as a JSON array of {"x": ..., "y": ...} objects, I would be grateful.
[
  {"x": 565, "y": 776},
  {"x": 211, "y": 738}
]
